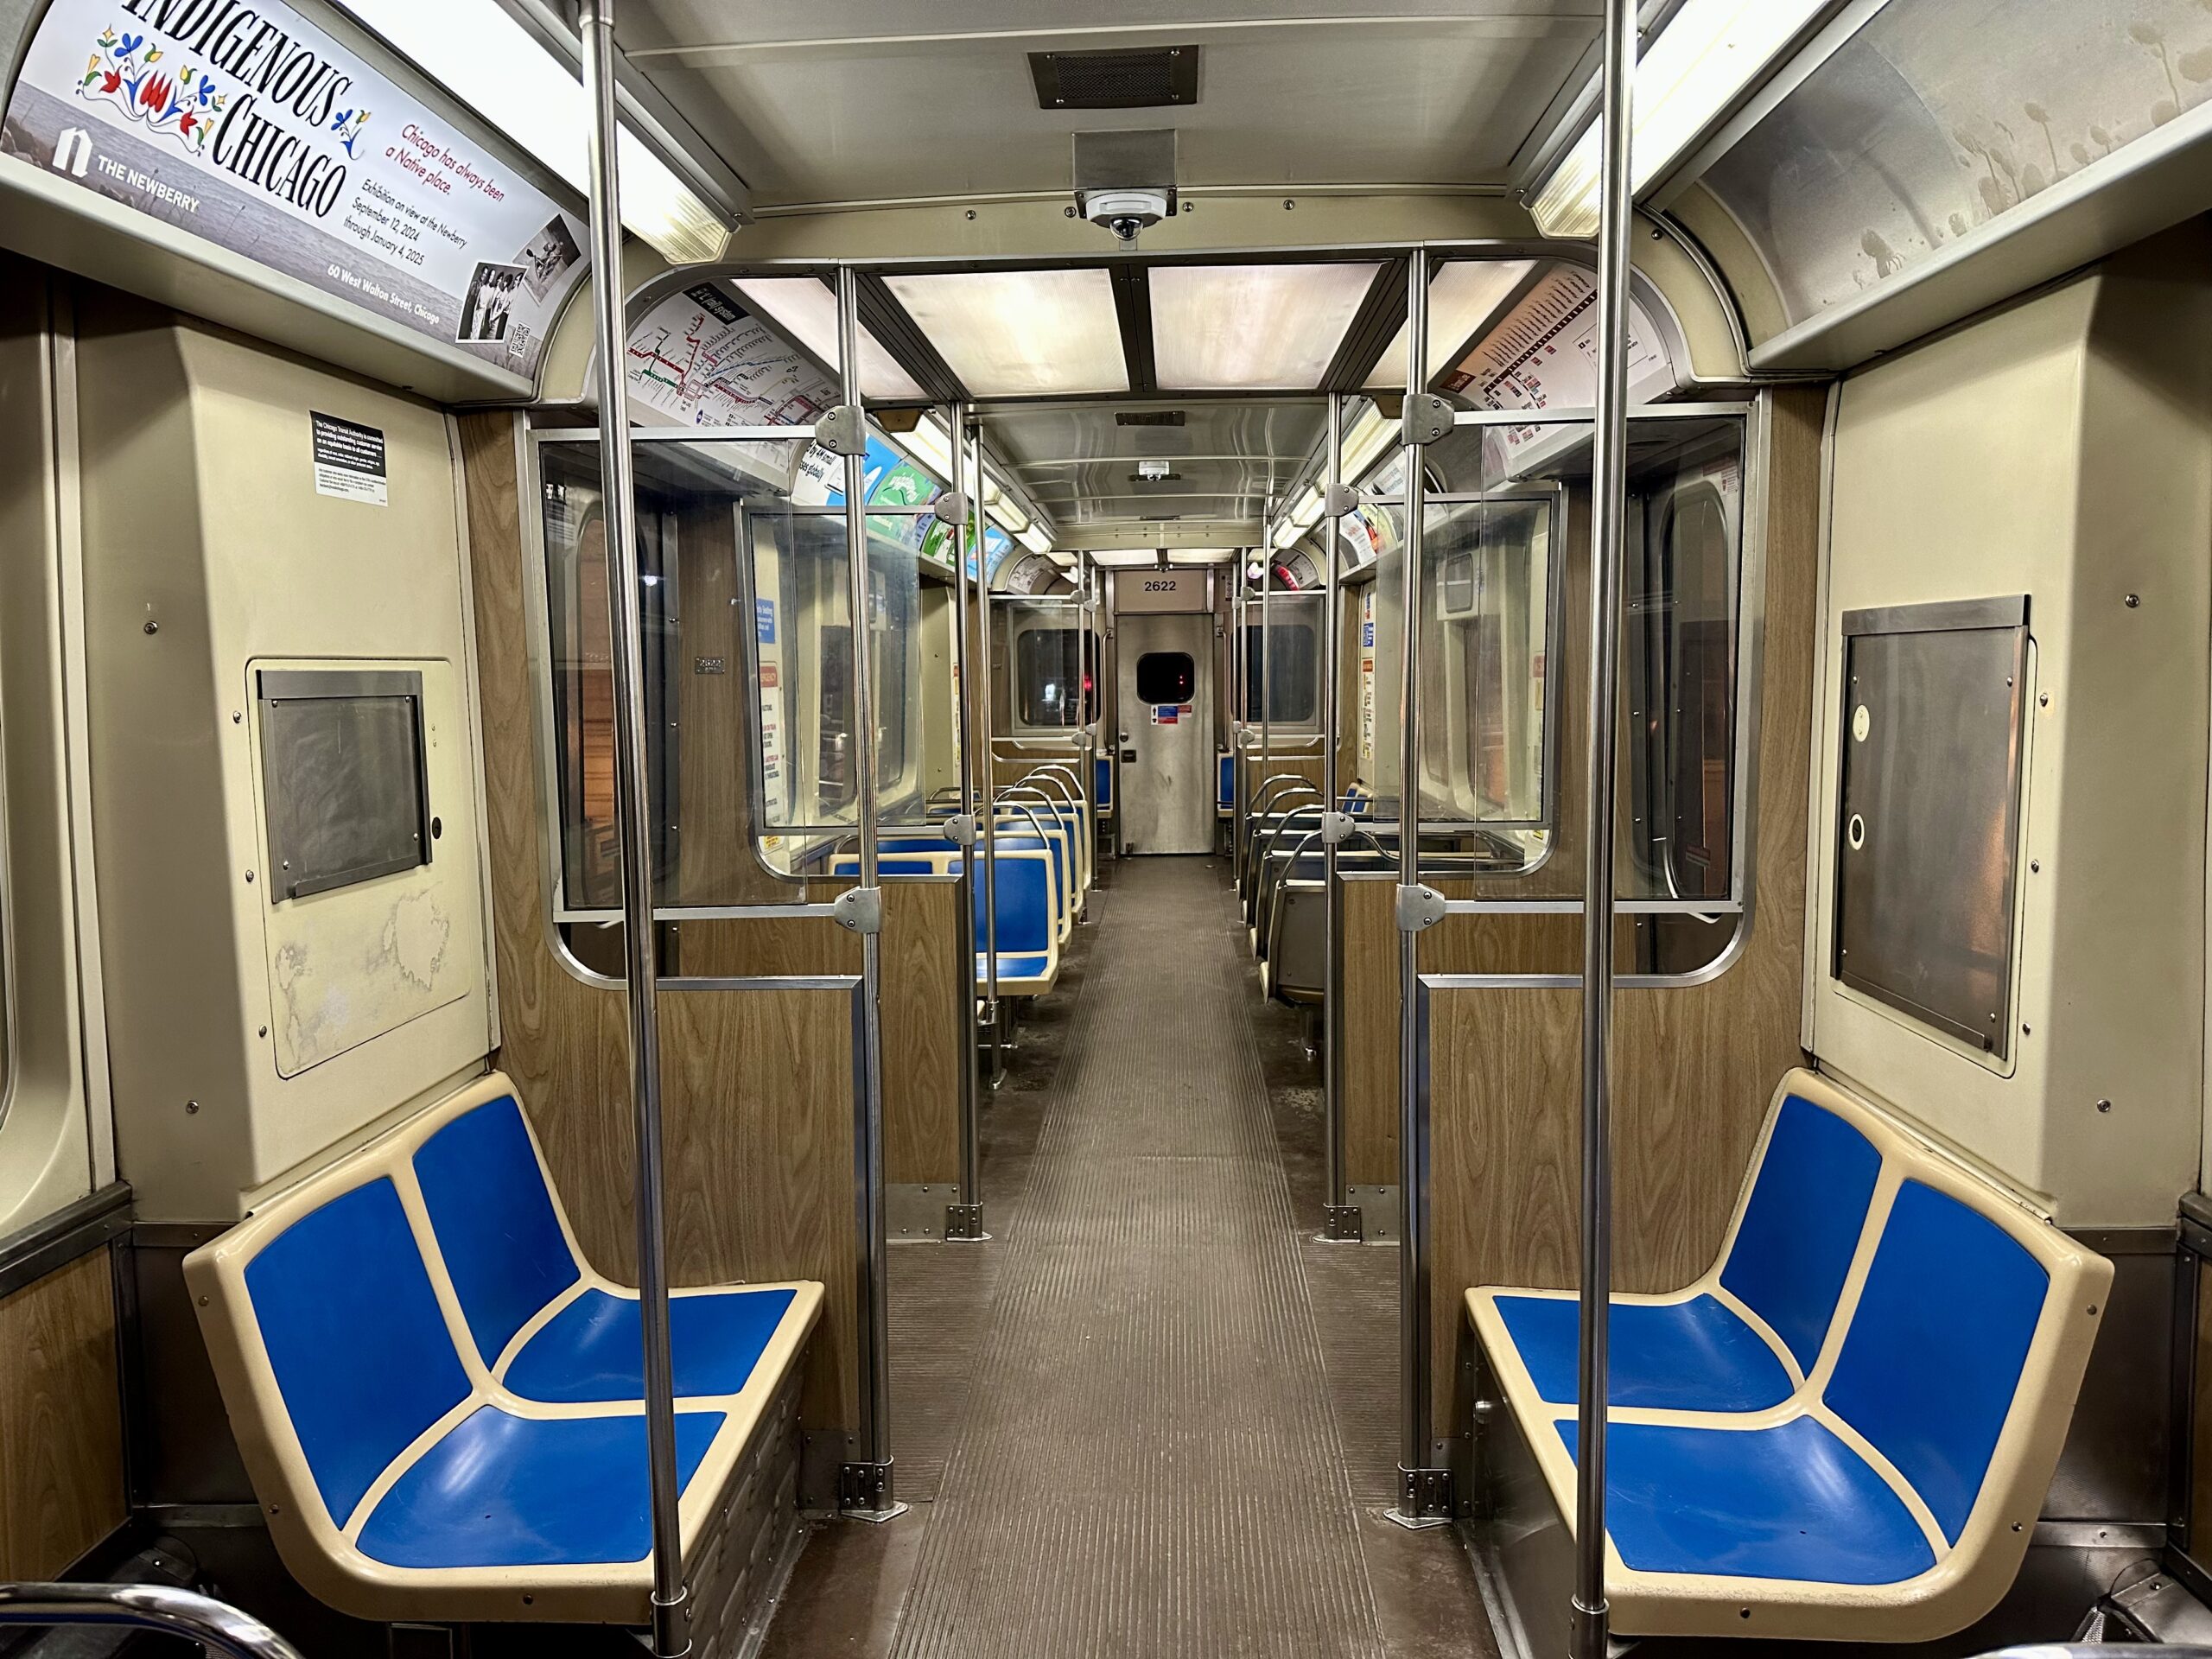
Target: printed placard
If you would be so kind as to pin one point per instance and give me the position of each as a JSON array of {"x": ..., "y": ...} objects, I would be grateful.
[
  {"x": 241, "y": 121},
  {"x": 349, "y": 460}
]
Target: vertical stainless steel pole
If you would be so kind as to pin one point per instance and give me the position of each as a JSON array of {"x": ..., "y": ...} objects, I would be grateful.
[
  {"x": 869, "y": 1492},
  {"x": 671, "y": 1617},
  {"x": 1421, "y": 1498},
  {"x": 1333, "y": 1119},
  {"x": 990, "y": 789},
  {"x": 1267, "y": 642},
  {"x": 1609, "y": 512},
  {"x": 1239, "y": 785},
  {"x": 972, "y": 1178}
]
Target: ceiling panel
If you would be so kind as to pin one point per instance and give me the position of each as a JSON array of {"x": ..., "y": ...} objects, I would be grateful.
[
  {"x": 1229, "y": 458},
  {"x": 1020, "y": 334},
  {"x": 1228, "y": 327},
  {"x": 1400, "y": 99}
]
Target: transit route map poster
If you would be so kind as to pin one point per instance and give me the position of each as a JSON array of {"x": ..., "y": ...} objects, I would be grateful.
[{"x": 241, "y": 121}]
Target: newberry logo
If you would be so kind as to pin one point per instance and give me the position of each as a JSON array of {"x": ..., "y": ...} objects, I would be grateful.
[{"x": 72, "y": 152}]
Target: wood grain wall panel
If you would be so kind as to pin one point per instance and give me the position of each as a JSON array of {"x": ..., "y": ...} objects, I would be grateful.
[
  {"x": 1692, "y": 1068},
  {"x": 925, "y": 940},
  {"x": 60, "y": 1420},
  {"x": 757, "y": 1085}
]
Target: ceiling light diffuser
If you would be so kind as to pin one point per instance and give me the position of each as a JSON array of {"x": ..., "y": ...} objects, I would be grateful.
[
  {"x": 1711, "y": 51},
  {"x": 806, "y": 308},
  {"x": 489, "y": 61},
  {"x": 1464, "y": 296},
  {"x": 1258, "y": 327},
  {"x": 1016, "y": 334}
]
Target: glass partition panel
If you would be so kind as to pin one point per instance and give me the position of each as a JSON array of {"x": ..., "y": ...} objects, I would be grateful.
[
  {"x": 1054, "y": 657},
  {"x": 808, "y": 722},
  {"x": 747, "y": 665},
  {"x": 1681, "y": 648},
  {"x": 1292, "y": 667}
]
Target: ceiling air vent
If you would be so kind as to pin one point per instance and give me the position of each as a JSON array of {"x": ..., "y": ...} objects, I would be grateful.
[
  {"x": 1133, "y": 78},
  {"x": 1155, "y": 478},
  {"x": 1148, "y": 417}
]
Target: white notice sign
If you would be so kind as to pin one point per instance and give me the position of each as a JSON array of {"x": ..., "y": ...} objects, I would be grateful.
[{"x": 241, "y": 121}]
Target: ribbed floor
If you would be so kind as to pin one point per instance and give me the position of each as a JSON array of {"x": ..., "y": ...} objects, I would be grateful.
[{"x": 1149, "y": 1464}]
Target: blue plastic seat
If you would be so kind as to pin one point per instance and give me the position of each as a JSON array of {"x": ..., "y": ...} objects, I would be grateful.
[
  {"x": 1744, "y": 1336},
  {"x": 1028, "y": 954},
  {"x": 1845, "y": 1429},
  {"x": 491, "y": 1204},
  {"x": 438, "y": 1399}
]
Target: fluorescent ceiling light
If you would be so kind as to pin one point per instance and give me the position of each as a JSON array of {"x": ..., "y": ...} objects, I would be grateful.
[
  {"x": 1364, "y": 445},
  {"x": 1463, "y": 296},
  {"x": 1709, "y": 52},
  {"x": 493, "y": 64},
  {"x": 806, "y": 308},
  {"x": 1233, "y": 328},
  {"x": 1287, "y": 535},
  {"x": 1014, "y": 333},
  {"x": 1200, "y": 555},
  {"x": 1035, "y": 539}
]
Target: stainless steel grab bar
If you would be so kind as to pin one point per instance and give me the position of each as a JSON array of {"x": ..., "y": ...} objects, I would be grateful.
[{"x": 214, "y": 1624}]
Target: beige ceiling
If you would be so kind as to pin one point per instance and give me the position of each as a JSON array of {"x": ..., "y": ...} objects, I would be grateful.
[
  {"x": 1078, "y": 464},
  {"x": 840, "y": 100}
]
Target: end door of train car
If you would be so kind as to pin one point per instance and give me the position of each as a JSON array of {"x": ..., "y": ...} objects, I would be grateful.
[{"x": 1164, "y": 653}]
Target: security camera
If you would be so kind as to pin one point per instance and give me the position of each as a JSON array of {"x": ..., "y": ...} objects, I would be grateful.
[{"x": 1126, "y": 212}]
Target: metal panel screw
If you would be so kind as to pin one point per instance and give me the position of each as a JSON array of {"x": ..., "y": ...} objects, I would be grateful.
[
  {"x": 263, "y": 1032},
  {"x": 2027, "y": 1030},
  {"x": 2035, "y": 866},
  {"x": 1289, "y": 205},
  {"x": 2043, "y": 701},
  {"x": 192, "y": 1108},
  {"x": 2104, "y": 1105},
  {"x": 971, "y": 212},
  {"x": 2133, "y": 600},
  {"x": 249, "y": 877},
  {"x": 238, "y": 716},
  {"x": 152, "y": 626}
]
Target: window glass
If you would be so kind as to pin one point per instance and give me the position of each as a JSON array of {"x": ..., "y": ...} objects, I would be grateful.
[
  {"x": 748, "y": 668},
  {"x": 1055, "y": 677},
  {"x": 1484, "y": 631},
  {"x": 1682, "y": 640},
  {"x": 1293, "y": 671},
  {"x": 1167, "y": 677}
]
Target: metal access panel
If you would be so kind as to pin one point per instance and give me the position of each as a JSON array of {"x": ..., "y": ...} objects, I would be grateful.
[
  {"x": 1166, "y": 732},
  {"x": 1929, "y": 811}
]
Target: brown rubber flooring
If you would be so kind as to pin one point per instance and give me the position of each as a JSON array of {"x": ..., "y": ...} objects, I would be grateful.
[{"x": 1152, "y": 1416}]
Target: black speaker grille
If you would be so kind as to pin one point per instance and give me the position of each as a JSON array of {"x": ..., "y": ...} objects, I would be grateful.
[{"x": 1139, "y": 77}]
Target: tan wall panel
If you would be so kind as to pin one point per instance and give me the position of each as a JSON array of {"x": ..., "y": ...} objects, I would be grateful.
[{"x": 60, "y": 1420}]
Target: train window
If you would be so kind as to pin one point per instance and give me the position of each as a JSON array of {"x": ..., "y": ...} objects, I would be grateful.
[
  {"x": 752, "y": 765},
  {"x": 1485, "y": 660},
  {"x": 1292, "y": 668},
  {"x": 581, "y": 667},
  {"x": 1167, "y": 677},
  {"x": 1680, "y": 642},
  {"x": 1055, "y": 677}
]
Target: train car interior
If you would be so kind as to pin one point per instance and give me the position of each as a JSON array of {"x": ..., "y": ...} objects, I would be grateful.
[{"x": 945, "y": 831}]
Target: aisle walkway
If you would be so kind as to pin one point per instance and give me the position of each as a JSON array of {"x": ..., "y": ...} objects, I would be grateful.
[{"x": 1149, "y": 1465}]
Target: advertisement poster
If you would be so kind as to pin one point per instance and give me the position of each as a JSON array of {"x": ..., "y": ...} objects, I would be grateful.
[{"x": 240, "y": 122}]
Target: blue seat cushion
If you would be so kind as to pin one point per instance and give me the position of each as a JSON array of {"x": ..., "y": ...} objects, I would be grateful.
[
  {"x": 1937, "y": 1344},
  {"x": 356, "y": 1338},
  {"x": 1788, "y": 1502},
  {"x": 1793, "y": 1248},
  {"x": 1692, "y": 1356},
  {"x": 495, "y": 1222},
  {"x": 503, "y": 1491},
  {"x": 593, "y": 1349}
]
